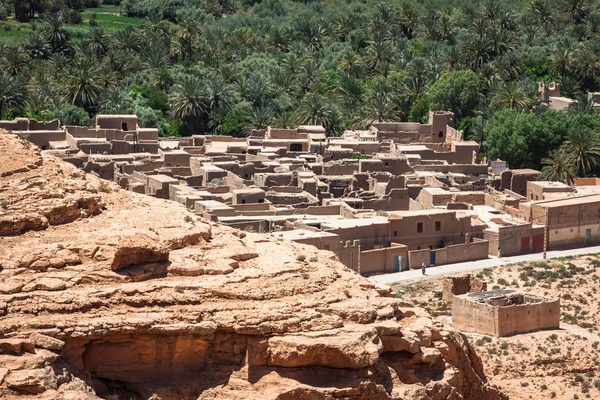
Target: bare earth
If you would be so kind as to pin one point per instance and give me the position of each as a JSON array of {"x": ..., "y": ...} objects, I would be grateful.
[
  {"x": 114, "y": 294},
  {"x": 561, "y": 364}
]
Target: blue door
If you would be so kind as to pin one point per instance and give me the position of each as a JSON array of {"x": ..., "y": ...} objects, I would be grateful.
[
  {"x": 431, "y": 258},
  {"x": 396, "y": 264},
  {"x": 403, "y": 266}
]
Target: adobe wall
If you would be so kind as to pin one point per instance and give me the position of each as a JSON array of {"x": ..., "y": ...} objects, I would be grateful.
[
  {"x": 42, "y": 139},
  {"x": 381, "y": 260},
  {"x": 349, "y": 255},
  {"x": 471, "y": 316},
  {"x": 416, "y": 258},
  {"x": 456, "y": 253},
  {"x": 457, "y": 285},
  {"x": 528, "y": 317}
]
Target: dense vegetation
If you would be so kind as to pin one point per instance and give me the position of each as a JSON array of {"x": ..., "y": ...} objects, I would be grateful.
[{"x": 226, "y": 66}]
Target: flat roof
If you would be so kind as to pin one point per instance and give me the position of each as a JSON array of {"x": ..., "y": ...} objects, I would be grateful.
[
  {"x": 593, "y": 198},
  {"x": 402, "y": 214},
  {"x": 353, "y": 223},
  {"x": 297, "y": 234}
]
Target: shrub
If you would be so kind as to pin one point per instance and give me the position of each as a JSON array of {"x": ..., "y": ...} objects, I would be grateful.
[
  {"x": 74, "y": 17},
  {"x": 3, "y": 12},
  {"x": 301, "y": 257},
  {"x": 72, "y": 115}
]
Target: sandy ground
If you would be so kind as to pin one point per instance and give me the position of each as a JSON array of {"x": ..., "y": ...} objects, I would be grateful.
[{"x": 560, "y": 364}]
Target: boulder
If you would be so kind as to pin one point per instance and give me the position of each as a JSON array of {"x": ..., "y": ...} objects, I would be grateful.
[
  {"x": 31, "y": 381},
  {"x": 137, "y": 249},
  {"x": 356, "y": 347}
]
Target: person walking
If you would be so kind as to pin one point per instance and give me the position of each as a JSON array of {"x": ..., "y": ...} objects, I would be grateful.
[
  {"x": 499, "y": 253},
  {"x": 423, "y": 268}
]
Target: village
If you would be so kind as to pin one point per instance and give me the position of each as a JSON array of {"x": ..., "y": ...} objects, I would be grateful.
[{"x": 398, "y": 196}]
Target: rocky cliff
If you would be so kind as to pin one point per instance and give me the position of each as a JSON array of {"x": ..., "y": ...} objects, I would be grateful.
[{"x": 110, "y": 294}]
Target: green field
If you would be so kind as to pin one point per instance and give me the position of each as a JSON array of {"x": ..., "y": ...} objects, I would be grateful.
[{"x": 108, "y": 18}]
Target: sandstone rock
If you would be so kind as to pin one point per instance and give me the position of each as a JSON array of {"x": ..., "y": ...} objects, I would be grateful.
[
  {"x": 344, "y": 348},
  {"x": 50, "y": 284},
  {"x": 137, "y": 249},
  {"x": 31, "y": 381},
  {"x": 245, "y": 256},
  {"x": 46, "y": 342},
  {"x": 426, "y": 356},
  {"x": 407, "y": 341},
  {"x": 3, "y": 373}
]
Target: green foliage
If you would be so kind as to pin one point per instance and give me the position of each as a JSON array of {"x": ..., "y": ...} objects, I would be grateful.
[
  {"x": 420, "y": 110},
  {"x": 457, "y": 91},
  {"x": 235, "y": 123},
  {"x": 523, "y": 139},
  {"x": 73, "y": 115}
]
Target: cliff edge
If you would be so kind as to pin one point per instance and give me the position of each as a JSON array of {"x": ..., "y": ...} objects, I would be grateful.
[{"x": 110, "y": 294}]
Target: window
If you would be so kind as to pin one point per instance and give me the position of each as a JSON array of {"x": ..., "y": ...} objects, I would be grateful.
[
  {"x": 395, "y": 233},
  {"x": 296, "y": 147},
  {"x": 124, "y": 126},
  {"x": 561, "y": 218},
  {"x": 261, "y": 200},
  {"x": 441, "y": 134},
  {"x": 243, "y": 201},
  {"x": 419, "y": 227},
  {"x": 438, "y": 226},
  {"x": 430, "y": 247},
  {"x": 583, "y": 215}
]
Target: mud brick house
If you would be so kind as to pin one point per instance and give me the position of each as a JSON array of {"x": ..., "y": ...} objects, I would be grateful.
[{"x": 504, "y": 312}]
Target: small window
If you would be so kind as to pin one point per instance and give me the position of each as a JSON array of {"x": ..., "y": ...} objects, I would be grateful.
[
  {"x": 438, "y": 226},
  {"x": 418, "y": 247},
  {"x": 296, "y": 147},
  {"x": 583, "y": 215},
  {"x": 560, "y": 218},
  {"x": 441, "y": 134},
  {"x": 419, "y": 227},
  {"x": 430, "y": 247},
  {"x": 124, "y": 126},
  {"x": 395, "y": 233},
  {"x": 44, "y": 148},
  {"x": 243, "y": 201},
  {"x": 261, "y": 200}
]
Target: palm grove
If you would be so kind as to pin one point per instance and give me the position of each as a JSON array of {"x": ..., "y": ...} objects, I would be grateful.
[{"x": 225, "y": 67}]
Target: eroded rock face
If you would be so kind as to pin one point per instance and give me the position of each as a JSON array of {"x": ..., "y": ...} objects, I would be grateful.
[{"x": 140, "y": 301}]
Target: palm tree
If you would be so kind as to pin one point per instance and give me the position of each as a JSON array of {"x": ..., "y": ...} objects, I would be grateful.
[
  {"x": 218, "y": 93},
  {"x": 37, "y": 47},
  {"x": 55, "y": 32},
  {"x": 511, "y": 95},
  {"x": 188, "y": 101},
  {"x": 380, "y": 101},
  {"x": 81, "y": 83},
  {"x": 12, "y": 92},
  {"x": 558, "y": 166},
  {"x": 96, "y": 40},
  {"x": 115, "y": 101},
  {"x": 584, "y": 150},
  {"x": 14, "y": 60},
  {"x": 314, "y": 110},
  {"x": 261, "y": 117},
  {"x": 584, "y": 104}
]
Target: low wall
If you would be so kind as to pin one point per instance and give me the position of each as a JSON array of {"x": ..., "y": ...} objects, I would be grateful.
[
  {"x": 471, "y": 316},
  {"x": 381, "y": 260},
  {"x": 528, "y": 317},
  {"x": 476, "y": 250}
]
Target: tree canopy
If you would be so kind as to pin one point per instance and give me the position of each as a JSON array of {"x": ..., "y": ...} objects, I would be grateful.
[{"x": 226, "y": 67}]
